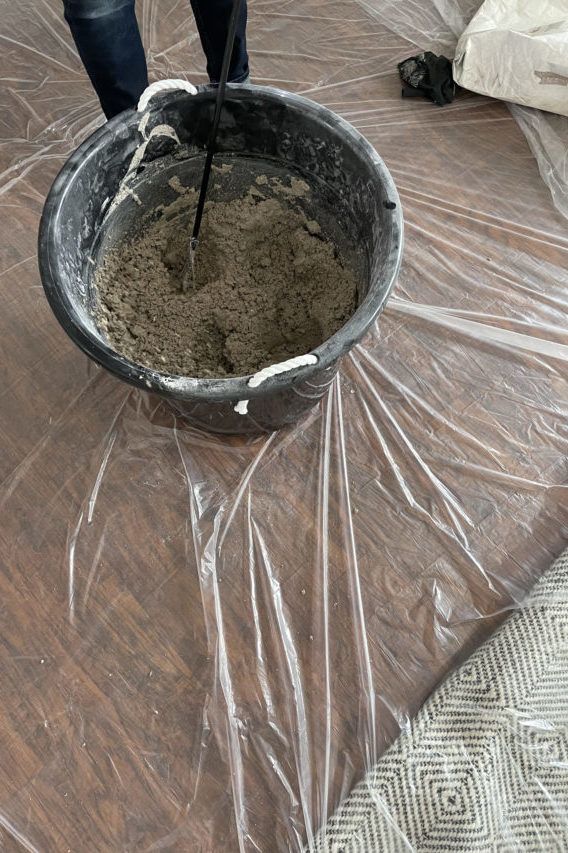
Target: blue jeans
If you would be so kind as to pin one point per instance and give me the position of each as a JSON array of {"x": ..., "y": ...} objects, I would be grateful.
[{"x": 108, "y": 40}]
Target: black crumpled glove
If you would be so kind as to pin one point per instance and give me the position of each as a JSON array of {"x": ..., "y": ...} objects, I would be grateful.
[{"x": 428, "y": 75}]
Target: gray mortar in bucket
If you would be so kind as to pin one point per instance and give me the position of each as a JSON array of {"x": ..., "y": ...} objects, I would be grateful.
[{"x": 352, "y": 196}]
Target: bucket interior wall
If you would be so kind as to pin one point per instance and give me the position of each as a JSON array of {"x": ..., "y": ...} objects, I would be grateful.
[{"x": 206, "y": 642}]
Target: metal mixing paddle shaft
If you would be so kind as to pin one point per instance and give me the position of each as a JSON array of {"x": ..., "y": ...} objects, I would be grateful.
[{"x": 189, "y": 271}]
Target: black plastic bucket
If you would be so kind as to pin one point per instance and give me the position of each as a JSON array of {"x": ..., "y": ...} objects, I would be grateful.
[{"x": 352, "y": 195}]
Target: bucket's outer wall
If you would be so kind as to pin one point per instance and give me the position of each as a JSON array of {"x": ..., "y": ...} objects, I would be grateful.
[{"x": 257, "y": 122}]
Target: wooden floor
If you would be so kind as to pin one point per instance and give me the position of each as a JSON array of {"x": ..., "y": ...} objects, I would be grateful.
[{"x": 204, "y": 642}]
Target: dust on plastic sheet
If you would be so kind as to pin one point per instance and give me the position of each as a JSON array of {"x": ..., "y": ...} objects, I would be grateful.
[{"x": 205, "y": 642}]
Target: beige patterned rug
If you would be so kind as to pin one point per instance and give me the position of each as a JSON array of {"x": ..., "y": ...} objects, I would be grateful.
[{"x": 484, "y": 765}]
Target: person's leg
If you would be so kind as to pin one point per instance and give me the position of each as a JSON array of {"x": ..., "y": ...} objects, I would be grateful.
[
  {"x": 212, "y": 17},
  {"x": 108, "y": 40}
]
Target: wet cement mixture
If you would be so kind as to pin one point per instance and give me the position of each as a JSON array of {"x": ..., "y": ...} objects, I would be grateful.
[{"x": 267, "y": 285}]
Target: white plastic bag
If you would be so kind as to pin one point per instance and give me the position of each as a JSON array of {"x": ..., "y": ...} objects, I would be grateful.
[{"x": 517, "y": 50}]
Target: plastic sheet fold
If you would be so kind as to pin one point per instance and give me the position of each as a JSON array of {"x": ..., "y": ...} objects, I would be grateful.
[{"x": 206, "y": 642}]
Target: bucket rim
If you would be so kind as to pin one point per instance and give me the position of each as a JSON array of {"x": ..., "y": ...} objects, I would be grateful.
[{"x": 207, "y": 389}]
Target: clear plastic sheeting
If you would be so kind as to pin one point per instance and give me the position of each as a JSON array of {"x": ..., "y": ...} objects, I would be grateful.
[
  {"x": 206, "y": 642},
  {"x": 437, "y": 25}
]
